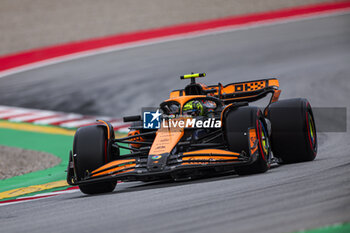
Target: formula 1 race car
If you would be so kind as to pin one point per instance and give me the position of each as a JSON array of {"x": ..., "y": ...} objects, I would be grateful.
[{"x": 200, "y": 130}]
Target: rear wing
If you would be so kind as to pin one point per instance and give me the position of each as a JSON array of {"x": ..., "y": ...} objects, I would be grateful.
[{"x": 234, "y": 92}]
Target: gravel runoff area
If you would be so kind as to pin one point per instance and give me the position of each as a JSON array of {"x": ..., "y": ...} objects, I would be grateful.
[
  {"x": 16, "y": 161},
  {"x": 27, "y": 24}
]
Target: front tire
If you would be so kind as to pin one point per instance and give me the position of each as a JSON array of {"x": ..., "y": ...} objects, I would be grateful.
[
  {"x": 90, "y": 147},
  {"x": 237, "y": 123}
]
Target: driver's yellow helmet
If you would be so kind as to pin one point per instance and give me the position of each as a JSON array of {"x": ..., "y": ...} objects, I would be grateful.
[{"x": 193, "y": 108}]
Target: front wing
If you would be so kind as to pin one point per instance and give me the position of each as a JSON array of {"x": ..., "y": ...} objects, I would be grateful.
[{"x": 151, "y": 167}]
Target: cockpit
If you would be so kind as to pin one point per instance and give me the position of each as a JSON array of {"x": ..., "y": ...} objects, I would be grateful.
[{"x": 191, "y": 106}]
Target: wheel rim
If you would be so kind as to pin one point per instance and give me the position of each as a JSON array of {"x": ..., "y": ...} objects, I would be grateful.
[
  {"x": 264, "y": 139},
  {"x": 311, "y": 130}
]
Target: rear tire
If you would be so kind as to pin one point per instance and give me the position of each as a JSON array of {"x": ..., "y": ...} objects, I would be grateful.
[
  {"x": 236, "y": 126},
  {"x": 90, "y": 147},
  {"x": 293, "y": 130}
]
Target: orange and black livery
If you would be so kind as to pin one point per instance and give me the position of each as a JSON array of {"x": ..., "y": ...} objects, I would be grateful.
[{"x": 232, "y": 135}]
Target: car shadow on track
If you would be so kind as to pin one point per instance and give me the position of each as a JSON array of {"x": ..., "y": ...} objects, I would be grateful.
[{"x": 142, "y": 186}]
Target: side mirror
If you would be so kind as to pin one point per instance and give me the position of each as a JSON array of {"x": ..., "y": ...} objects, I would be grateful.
[{"x": 132, "y": 118}]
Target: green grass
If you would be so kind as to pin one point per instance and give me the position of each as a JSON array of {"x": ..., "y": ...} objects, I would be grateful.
[
  {"x": 57, "y": 145},
  {"x": 336, "y": 228}
]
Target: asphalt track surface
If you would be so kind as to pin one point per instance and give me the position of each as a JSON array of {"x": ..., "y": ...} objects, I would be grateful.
[{"x": 311, "y": 58}]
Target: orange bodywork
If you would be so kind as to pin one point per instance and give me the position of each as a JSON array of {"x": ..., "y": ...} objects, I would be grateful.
[
  {"x": 273, "y": 82},
  {"x": 108, "y": 130},
  {"x": 166, "y": 139},
  {"x": 244, "y": 87},
  {"x": 253, "y": 141},
  {"x": 120, "y": 165},
  {"x": 209, "y": 158},
  {"x": 113, "y": 170},
  {"x": 206, "y": 159},
  {"x": 275, "y": 96},
  {"x": 211, "y": 152},
  {"x": 214, "y": 156},
  {"x": 175, "y": 94},
  {"x": 137, "y": 139}
]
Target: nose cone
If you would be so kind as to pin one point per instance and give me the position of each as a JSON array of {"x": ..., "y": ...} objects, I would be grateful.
[{"x": 157, "y": 162}]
